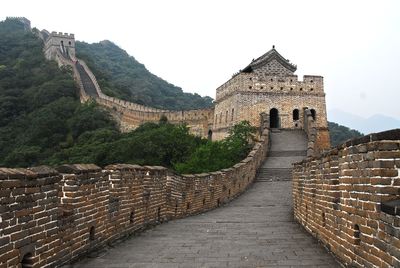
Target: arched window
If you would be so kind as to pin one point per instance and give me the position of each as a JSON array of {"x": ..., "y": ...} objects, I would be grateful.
[
  {"x": 357, "y": 234},
  {"x": 313, "y": 114},
  {"x": 159, "y": 214},
  {"x": 92, "y": 233},
  {"x": 226, "y": 117},
  {"x": 274, "y": 118},
  {"x": 233, "y": 111},
  {"x": 27, "y": 261},
  {"x": 132, "y": 217},
  {"x": 62, "y": 47},
  {"x": 295, "y": 114}
]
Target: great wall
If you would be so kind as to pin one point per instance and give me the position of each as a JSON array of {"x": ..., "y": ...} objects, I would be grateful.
[
  {"x": 267, "y": 85},
  {"x": 52, "y": 216},
  {"x": 348, "y": 197}
]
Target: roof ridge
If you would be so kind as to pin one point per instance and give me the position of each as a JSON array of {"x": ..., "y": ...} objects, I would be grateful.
[{"x": 268, "y": 56}]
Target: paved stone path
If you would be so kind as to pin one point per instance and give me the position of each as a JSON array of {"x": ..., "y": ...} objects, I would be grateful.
[{"x": 255, "y": 230}]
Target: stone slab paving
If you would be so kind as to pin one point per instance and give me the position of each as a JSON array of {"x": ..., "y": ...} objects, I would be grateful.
[{"x": 255, "y": 230}]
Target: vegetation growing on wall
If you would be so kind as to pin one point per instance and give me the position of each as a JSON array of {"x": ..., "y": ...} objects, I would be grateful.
[{"x": 121, "y": 76}]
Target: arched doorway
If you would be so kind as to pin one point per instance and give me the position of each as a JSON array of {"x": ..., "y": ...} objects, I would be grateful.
[
  {"x": 313, "y": 114},
  {"x": 274, "y": 118},
  {"x": 210, "y": 135},
  {"x": 296, "y": 114}
]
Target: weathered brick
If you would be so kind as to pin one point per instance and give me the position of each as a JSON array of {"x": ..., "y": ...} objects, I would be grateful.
[
  {"x": 4, "y": 240},
  {"x": 4, "y": 184},
  {"x": 23, "y": 242},
  {"x": 8, "y": 256},
  {"x": 381, "y": 181},
  {"x": 12, "y": 229},
  {"x": 387, "y": 154},
  {"x": 5, "y": 193},
  {"x": 6, "y": 248}
]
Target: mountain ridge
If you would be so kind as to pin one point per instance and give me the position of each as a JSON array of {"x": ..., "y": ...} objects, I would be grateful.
[
  {"x": 371, "y": 124},
  {"x": 120, "y": 75}
]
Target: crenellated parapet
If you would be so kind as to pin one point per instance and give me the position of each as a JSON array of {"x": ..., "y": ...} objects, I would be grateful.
[
  {"x": 130, "y": 115},
  {"x": 53, "y": 216},
  {"x": 349, "y": 198},
  {"x": 25, "y": 21},
  {"x": 63, "y": 42},
  {"x": 268, "y": 85},
  {"x": 290, "y": 85}
]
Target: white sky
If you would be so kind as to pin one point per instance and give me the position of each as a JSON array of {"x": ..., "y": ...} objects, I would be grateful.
[{"x": 198, "y": 45}]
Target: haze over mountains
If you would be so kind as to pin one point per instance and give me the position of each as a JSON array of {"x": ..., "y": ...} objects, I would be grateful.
[{"x": 375, "y": 123}]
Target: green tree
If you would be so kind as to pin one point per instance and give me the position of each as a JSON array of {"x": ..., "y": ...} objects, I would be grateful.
[
  {"x": 43, "y": 122},
  {"x": 40, "y": 114},
  {"x": 340, "y": 134},
  {"x": 213, "y": 156}
]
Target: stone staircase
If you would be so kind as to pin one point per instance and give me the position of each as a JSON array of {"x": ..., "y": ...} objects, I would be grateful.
[
  {"x": 87, "y": 83},
  {"x": 287, "y": 147}
]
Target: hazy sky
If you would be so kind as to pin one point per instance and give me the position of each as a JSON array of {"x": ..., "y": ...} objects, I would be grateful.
[{"x": 198, "y": 45}]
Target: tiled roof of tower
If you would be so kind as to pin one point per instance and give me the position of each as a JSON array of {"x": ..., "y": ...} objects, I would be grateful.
[{"x": 267, "y": 57}]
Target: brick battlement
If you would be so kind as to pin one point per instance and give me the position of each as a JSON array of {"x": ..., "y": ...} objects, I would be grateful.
[
  {"x": 63, "y": 35},
  {"x": 52, "y": 216},
  {"x": 130, "y": 115},
  {"x": 348, "y": 197},
  {"x": 248, "y": 82},
  {"x": 25, "y": 21}
]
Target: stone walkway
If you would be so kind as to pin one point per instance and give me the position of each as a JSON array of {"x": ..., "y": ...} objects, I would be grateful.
[{"x": 255, "y": 230}]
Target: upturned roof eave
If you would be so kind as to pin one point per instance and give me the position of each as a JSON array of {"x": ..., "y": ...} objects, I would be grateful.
[{"x": 267, "y": 57}]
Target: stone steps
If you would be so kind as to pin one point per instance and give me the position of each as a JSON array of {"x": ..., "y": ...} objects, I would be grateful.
[
  {"x": 274, "y": 174},
  {"x": 88, "y": 85},
  {"x": 287, "y": 147},
  {"x": 287, "y": 153}
]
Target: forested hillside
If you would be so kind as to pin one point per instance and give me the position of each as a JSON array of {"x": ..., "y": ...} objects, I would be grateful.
[
  {"x": 40, "y": 113},
  {"x": 43, "y": 122},
  {"x": 340, "y": 134},
  {"x": 121, "y": 76}
]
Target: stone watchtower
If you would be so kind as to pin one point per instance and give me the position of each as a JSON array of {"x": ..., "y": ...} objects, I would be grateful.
[
  {"x": 23, "y": 20},
  {"x": 268, "y": 85},
  {"x": 62, "y": 42}
]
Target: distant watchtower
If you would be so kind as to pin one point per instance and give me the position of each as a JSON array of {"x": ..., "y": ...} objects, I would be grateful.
[
  {"x": 268, "y": 85},
  {"x": 62, "y": 42},
  {"x": 25, "y": 21}
]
